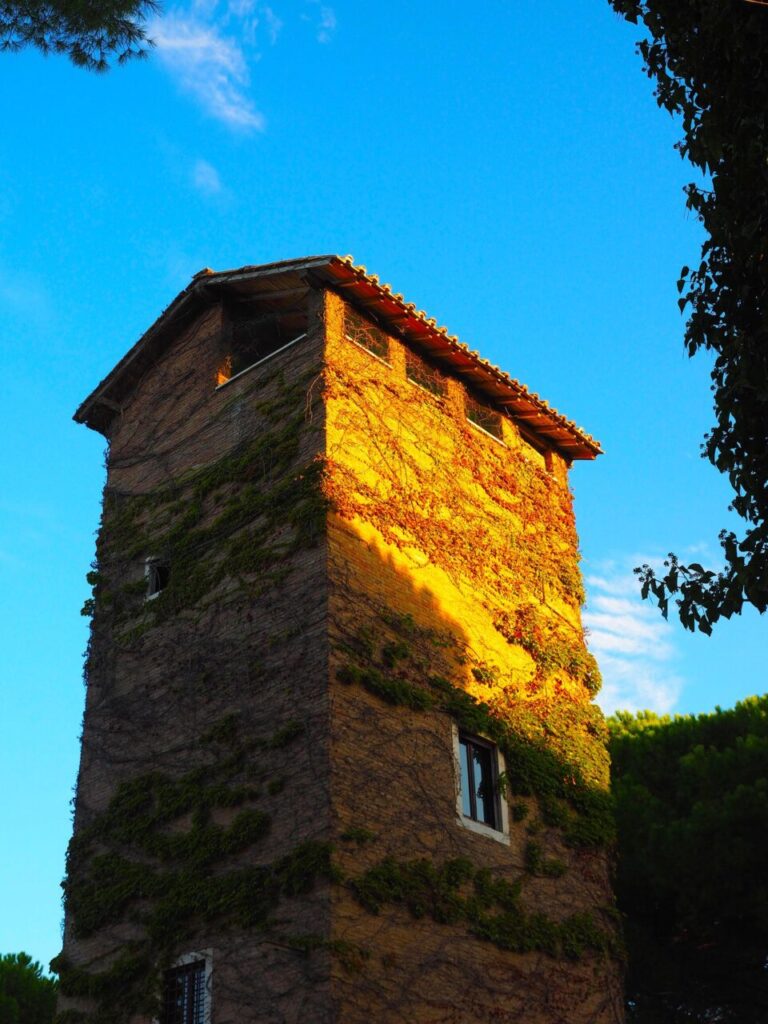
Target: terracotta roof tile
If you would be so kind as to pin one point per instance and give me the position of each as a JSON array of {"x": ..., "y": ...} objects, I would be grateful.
[{"x": 418, "y": 327}]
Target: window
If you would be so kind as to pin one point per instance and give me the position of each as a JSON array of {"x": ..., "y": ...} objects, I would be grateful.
[
  {"x": 480, "y": 806},
  {"x": 365, "y": 334},
  {"x": 157, "y": 573},
  {"x": 185, "y": 994},
  {"x": 420, "y": 372},
  {"x": 252, "y": 334},
  {"x": 484, "y": 417},
  {"x": 479, "y": 785}
]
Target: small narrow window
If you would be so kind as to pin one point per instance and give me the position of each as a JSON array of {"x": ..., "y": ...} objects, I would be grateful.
[
  {"x": 157, "y": 572},
  {"x": 420, "y": 372},
  {"x": 484, "y": 417},
  {"x": 479, "y": 781},
  {"x": 184, "y": 994},
  {"x": 365, "y": 334}
]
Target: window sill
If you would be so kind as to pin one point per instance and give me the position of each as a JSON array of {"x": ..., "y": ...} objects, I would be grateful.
[
  {"x": 433, "y": 394},
  {"x": 260, "y": 362},
  {"x": 368, "y": 352},
  {"x": 483, "y": 830},
  {"x": 487, "y": 433}
]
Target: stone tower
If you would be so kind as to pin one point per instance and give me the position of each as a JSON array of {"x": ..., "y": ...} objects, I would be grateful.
[{"x": 340, "y": 761}]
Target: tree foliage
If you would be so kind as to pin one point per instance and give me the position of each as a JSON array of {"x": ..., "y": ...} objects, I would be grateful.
[
  {"x": 26, "y": 995},
  {"x": 92, "y": 33},
  {"x": 707, "y": 58},
  {"x": 692, "y": 805}
]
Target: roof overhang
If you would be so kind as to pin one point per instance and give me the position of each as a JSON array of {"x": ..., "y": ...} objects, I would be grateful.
[{"x": 287, "y": 282}]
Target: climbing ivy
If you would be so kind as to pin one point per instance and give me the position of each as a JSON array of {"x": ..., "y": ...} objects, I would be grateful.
[
  {"x": 552, "y": 646},
  {"x": 456, "y": 892},
  {"x": 241, "y": 516},
  {"x": 561, "y": 775},
  {"x": 130, "y": 864}
]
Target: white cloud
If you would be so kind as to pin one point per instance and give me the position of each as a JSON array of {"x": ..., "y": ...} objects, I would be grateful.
[
  {"x": 204, "y": 8},
  {"x": 210, "y": 46},
  {"x": 325, "y": 24},
  {"x": 206, "y": 178},
  {"x": 211, "y": 67},
  {"x": 273, "y": 23},
  {"x": 631, "y": 641}
]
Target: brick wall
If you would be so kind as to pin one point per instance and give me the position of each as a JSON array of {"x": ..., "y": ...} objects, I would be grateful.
[
  {"x": 435, "y": 524},
  {"x": 436, "y": 535},
  {"x": 255, "y": 647}
]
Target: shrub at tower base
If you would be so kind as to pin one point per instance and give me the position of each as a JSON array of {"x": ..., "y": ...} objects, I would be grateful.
[
  {"x": 692, "y": 807},
  {"x": 26, "y": 995}
]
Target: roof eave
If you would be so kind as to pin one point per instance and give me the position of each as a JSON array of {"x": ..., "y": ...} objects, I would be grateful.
[{"x": 366, "y": 293}]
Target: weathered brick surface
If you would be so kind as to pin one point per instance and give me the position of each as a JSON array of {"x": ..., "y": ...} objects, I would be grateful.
[
  {"x": 270, "y": 651},
  {"x": 404, "y": 467},
  {"x": 262, "y": 656}
]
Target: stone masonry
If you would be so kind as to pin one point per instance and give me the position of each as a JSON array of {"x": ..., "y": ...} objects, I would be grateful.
[{"x": 317, "y": 573}]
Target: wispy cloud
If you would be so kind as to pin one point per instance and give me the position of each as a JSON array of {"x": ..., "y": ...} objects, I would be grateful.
[
  {"x": 206, "y": 178},
  {"x": 208, "y": 65},
  {"x": 273, "y": 24},
  {"x": 324, "y": 21},
  {"x": 633, "y": 644},
  {"x": 211, "y": 46}
]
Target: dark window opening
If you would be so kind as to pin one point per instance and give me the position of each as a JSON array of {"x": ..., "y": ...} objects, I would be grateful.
[
  {"x": 252, "y": 334},
  {"x": 484, "y": 417},
  {"x": 366, "y": 334},
  {"x": 422, "y": 373},
  {"x": 479, "y": 785},
  {"x": 184, "y": 995},
  {"x": 158, "y": 574}
]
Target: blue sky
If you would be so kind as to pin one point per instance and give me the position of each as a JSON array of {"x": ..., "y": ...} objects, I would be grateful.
[{"x": 505, "y": 167}]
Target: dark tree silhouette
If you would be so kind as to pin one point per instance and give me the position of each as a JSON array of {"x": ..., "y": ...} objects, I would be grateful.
[
  {"x": 26, "y": 995},
  {"x": 692, "y": 804},
  {"x": 92, "y": 33},
  {"x": 707, "y": 60}
]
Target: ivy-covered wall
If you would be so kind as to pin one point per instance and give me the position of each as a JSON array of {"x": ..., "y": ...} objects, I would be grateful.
[
  {"x": 267, "y": 764},
  {"x": 455, "y": 604},
  {"x": 202, "y": 803}
]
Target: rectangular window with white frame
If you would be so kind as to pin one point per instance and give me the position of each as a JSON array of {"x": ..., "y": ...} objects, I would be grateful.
[
  {"x": 419, "y": 371},
  {"x": 480, "y": 803}
]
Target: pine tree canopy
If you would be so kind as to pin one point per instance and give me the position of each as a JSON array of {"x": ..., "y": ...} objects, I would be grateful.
[{"x": 92, "y": 33}]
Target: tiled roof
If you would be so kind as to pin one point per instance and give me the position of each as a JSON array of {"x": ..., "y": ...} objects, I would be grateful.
[
  {"x": 365, "y": 291},
  {"x": 414, "y": 323}
]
